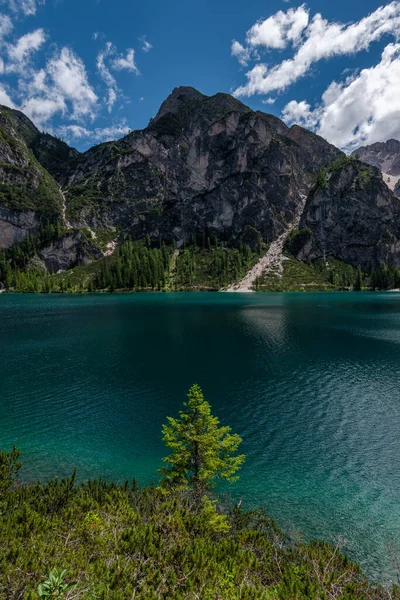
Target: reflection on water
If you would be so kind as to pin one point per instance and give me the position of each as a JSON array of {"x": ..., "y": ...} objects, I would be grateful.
[{"x": 311, "y": 382}]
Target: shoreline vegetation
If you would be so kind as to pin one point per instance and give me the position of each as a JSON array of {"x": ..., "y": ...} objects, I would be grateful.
[
  {"x": 211, "y": 266},
  {"x": 174, "y": 541}
]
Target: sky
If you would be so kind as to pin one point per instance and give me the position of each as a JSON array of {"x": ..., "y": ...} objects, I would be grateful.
[{"x": 94, "y": 70}]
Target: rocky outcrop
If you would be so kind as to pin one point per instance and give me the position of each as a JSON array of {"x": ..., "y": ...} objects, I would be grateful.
[
  {"x": 69, "y": 251},
  {"x": 28, "y": 194},
  {"x": 383, "y": 155},
  {"x": 15, "y": 225},
  {"x": 386, "y": 157},
  {"x": 354, "y": 217},
  {"x": 204, "y": 164}
]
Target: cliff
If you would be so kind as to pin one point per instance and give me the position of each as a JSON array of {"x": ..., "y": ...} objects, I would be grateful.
[{"x": 204, "y": 167}]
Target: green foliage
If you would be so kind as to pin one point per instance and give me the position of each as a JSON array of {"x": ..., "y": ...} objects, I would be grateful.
[
  {"x": 358, "y": 284},
  {"x": 20, "y": 268},
  {"x": 120, "y": 541},
  {"x": 55, "y": 586},
  {"x": 202, "y": 452},
  {"x": 322, "y": 177},
  {"x": 363, "y": 179},
  {"x": 212, "y": 266},
  {"x": 9, "y": 468},
  {"x": 135, "y": 266},
  {"x": 320, "y": 181},
  {"x": 297, "y": 240},
  {"x": 340, "y": 163},
  {"x": 317, "y": 276},
  {"x": 385, "y": 278}
]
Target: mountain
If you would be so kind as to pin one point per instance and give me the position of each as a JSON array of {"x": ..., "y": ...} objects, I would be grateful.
[
  {"x": 204, "y": 167},
  {"x": 352, "y": 216},
  {"x": 386, "y": 157},
  {"x": 31, "y": 202}
]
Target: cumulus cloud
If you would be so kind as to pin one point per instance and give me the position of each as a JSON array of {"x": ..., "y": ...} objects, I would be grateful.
[
  {"x": 361, "y": 110},
  {"x": 279, "y": 29},
  {"x": 69, "y": 76},
  {"x": 61, "y": 87},
  {"x": 312, "y": 41},
  {"x": 241, "y": 53},
  {"x": 300, "y": 113}
]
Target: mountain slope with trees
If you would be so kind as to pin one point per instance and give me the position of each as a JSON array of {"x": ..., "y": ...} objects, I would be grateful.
[{"x": 206, "y": 173}]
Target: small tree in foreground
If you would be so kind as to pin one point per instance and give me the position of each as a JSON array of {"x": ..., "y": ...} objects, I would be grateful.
[{"x": 202, "y": 452}]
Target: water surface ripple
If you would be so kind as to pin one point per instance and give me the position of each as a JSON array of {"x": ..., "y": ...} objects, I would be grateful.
[{"x": 310, "y": 381}]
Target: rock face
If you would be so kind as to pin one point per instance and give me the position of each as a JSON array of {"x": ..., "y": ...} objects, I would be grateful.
[
  {"x": 386, "y": 157},
  {"x": 353, "y": 217},
  {"x": 204, "y": 166},
  {"x": 15, "y": 225},
  {"x": 68, "y": 251}
]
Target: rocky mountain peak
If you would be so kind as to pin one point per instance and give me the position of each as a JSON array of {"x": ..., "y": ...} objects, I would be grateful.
[
  {"x": 384, "y": 155},
  {"x": 178, "y": 98}
]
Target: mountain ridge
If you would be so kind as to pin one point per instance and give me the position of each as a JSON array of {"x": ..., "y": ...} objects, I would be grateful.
[{"x": 204, "y": 167}]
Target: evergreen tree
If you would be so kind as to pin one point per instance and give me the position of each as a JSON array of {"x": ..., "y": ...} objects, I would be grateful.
[
  {"x": 202, "y": 452},
  {"x": 359, "y": 280}
]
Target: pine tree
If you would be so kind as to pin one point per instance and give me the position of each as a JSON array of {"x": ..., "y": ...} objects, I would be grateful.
[
  {"x": 358, "y": 283},
  {"x": 202, "y": 452}
]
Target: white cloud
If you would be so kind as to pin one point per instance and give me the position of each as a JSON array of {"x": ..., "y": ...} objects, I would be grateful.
[
  {"x": 76, "y": 132},
  {"x": 24, "y": 7},
  {"x": 61, "y": 87},
  {"x": 269, "y": 101},
  {"x": 112, "y": 97},
  {"x": 5, "y": 98},
  {"x": 241, "y": 53},
  {"x": 279, "y": 29},
  {"x": 101, "y": 65},
  {"x": 41, "y": 109},
  {"x": 108, "y": 59},
  {"x": 22, "y": 50},
  {"x": 299, "y": 112},
  {"x": 70, "y": 80},
  {"x": 126, "y": 63},
  {"x": 106, "y": 75},
  {"x": 146, "y": 46},
  {"x": 99, "y": 134},
  {"x": 319, "y": 40},
  {"x": 6, "y": 26},
  {"x": 362, "y": 110}
]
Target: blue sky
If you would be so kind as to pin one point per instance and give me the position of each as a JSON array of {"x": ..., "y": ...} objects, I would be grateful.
[{"x": 91, "y": 70}]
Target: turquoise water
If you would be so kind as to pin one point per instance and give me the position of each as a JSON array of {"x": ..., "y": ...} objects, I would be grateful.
[{"x": 310, "y": 381}]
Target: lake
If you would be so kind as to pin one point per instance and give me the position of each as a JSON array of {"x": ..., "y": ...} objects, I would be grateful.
[{"x": 310, "y": 381}]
